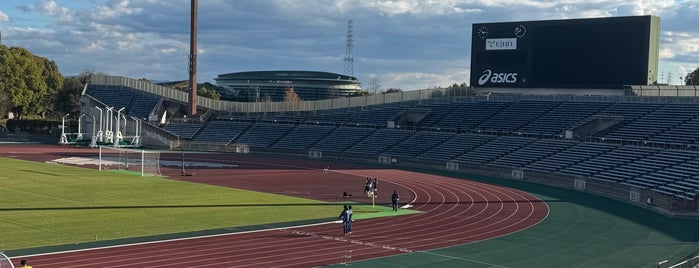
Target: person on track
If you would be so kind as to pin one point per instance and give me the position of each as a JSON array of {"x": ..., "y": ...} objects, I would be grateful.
[
  {"x": 344, "y": 216},
  {"x": 394, "y": 200},
  {"x": 367, "y": 187},
  {"x": 375, "y": 188},
  {"x": 24, "y": 264},
  {"x": 349, "y": 219}
]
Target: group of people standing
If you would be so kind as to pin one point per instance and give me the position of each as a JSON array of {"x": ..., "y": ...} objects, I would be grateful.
[
  {"x": 346, "y": 217},
  {"x": 370, "y": 190},
  {"x": 371, "y": 187}
]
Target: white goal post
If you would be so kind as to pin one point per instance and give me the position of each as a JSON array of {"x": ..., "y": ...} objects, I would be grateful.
[{"x": 146, "y": 163}]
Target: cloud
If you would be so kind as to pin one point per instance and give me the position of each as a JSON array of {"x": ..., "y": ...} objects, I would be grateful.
[
  {"x": 4, "y": 17},
  {"x": 408, "y": 44},
  {"x": 50, "y": 8}
]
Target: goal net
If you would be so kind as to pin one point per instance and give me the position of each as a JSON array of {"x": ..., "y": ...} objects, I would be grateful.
[
  {"x": 143, "y": 162},
  {"x": 5, "y": 261}
]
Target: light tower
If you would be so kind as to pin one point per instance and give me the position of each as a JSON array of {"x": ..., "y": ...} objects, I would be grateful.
[
  {"x": 193, "y": 61},
  {"x": 349, "y": 51}
]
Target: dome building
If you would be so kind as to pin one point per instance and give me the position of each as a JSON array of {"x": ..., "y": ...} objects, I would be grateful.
[{"x": 272, "y": 85}]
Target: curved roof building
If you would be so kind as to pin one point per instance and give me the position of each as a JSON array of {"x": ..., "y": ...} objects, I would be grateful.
[{"x": 272, "y": 85}]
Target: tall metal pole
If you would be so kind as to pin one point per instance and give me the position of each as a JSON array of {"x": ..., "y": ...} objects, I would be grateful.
[
  {"x": 349, "y": 50},
  {"x": 193, "y": 60},
  {"x": 99, "y": 134}
]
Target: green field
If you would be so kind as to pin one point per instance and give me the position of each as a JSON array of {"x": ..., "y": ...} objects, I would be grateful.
[
  {"x": 45, "y": 204},
  {"x": 46, "y": 207}
]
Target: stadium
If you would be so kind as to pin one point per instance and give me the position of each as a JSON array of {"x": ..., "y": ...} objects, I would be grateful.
[
  {"x": 534, "y": 171},
  {"x": 272, "y": 85}
]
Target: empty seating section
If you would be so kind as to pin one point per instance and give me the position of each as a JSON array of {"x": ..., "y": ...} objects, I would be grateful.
[
  {"x": 184, "y": 131},
  {"x": 116, "y": 97},
  {"x": 454, "y": 147},
  {"x": 289, "y": 119},
  {"x": 629, "y": 111},
  {"x": 641, "y": 122},
  {"x": 687, "y": 177},
  {"x": 492, "y": 150},
  {"x": 592, "y": 167},
  {"x": 532, "y": 152},
  {"x": 563, "y": 117},
  {"x": 142, "y": 105},
  {"x": 468, "y": 115},
  {"x": 437, "y": 112},
  {"x": 302, "y": 137},
  {"x": 668, "y": 175},
  {"x": 221, "y": 131},
  {"x": 137, "y": 103},
  {"x": 463, "y": 132},
  {"x": 517, "y": 115},
  {"x": 376, "y": 117},
  {"x": 262, "y": 135},
  {"x": 330, "y": 117},
  {"x": 628, "y": 170},
  {"x": 341, "y": 139},
  {"x": 573, "y": 155},
  {"x": 418, "y": 143},
  {"x": 686, "y": 129},
  {"x": 379, "y": 141}
]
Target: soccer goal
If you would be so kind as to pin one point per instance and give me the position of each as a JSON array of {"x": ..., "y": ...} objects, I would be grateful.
[
  {"x": 146, "y": 163},
  {"x": 5, "y": 261}
]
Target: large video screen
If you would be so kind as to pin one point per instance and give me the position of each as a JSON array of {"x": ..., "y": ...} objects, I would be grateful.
[{"x": 579, "y": 53}]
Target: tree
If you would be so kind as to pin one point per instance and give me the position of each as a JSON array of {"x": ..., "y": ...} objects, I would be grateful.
[
  {"x": 27, "y": 80},
  {"x": 291, "y": 96},
  {"x": 207, "y": 90},
  {"x": 359, "y": 93},
  {"x": 208, "y": 93},
  {"x": 54, "y": 83},
  {"x": 374, "y": 85},
  {"x": 459, "y": 90},
  {"x": 393, "y": 90},
  {"x": 692, "y": 78},
  {"x": 67, "y": 99}
]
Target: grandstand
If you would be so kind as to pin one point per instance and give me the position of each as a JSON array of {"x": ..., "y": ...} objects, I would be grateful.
[
  {"x": 640, "y": 144},
  {"x": 535, "y": 116}
]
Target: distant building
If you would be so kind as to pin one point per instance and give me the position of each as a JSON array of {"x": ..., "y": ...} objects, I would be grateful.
[{"x": 271, "y": 85}]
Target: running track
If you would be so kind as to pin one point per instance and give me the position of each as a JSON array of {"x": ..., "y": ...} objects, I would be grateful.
[{"x": 456, "y": 212}]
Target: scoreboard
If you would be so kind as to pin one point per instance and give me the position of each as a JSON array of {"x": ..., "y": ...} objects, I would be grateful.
[{"x": 576, "y": 53}]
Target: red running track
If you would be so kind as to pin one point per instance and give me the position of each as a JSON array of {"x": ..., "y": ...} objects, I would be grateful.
[{"x": 456, "y": 212}]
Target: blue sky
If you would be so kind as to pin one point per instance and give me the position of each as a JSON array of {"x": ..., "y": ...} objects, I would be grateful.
[{"x": 406, "y": 44}]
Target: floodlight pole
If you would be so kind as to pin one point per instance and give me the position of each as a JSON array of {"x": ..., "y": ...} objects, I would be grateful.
[
  {"x": 193, "y": 59},
  {"x": 80, "y": 129},
  {"x": 117, "y": 133},
  {"x": 93, "y": 141},
  {"x": 137, "y": 124},
  {"x": 182, "y": 149},
  {"x": 64, "y": 138},
  {"x": 108, "y": 127},
  {"x": 99, "y": 134}
]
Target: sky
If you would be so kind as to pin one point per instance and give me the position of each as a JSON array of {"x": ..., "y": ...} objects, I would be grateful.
[{"x": 405, "y": 44}]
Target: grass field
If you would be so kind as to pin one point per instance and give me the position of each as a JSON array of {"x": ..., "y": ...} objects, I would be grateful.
[{"x": 46, "y": 204}]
